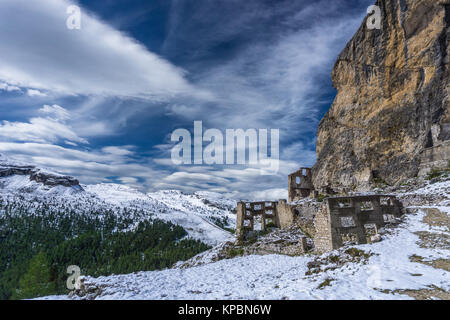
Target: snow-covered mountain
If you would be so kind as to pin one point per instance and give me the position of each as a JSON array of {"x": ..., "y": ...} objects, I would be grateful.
[{"x": 204, "y": 215}]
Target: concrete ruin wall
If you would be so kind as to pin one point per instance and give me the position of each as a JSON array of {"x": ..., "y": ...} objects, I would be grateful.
[
  {"x": 331, "y": 224},
  {"x": 300, "y": 184},
  {"x": 322, "y": 224},
  {"x": 436, "y": 157},
  {"x": 285, "y": 217},
  {"x": 248, "y": 211},
  {"x": 301, "y": 214},
  {"x": 353, "y": 220}
]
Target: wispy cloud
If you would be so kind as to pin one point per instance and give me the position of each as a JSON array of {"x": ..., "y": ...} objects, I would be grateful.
[
  {"x": 275, "y": 76},
  {"x": 50, "y": 129},
  {"x": 40, "y": 53},
  {"x": 55, "y": 112},
  {"x": 9, "y": 88},
  {"x": 35, "y": 93},
  {"x": 89, "y": 166}
]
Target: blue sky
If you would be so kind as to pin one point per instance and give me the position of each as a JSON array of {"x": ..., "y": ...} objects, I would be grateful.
[{"x": 100, "y": 103}]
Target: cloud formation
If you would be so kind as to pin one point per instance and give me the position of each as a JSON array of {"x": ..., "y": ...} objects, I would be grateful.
[
  {"x": 250, "y": 64},
  {"x": 51, "y": 129},
  {"x": 55, "y": 112},
  {"x": 89, "y": 166},
  {"x": 284, "y": 53},
  {"x": 40, "y": 53}
]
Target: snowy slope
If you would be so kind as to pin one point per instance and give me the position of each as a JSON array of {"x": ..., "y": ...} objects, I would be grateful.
[
  {"x": 410, "y": 262},
  {"x": 188, "y": 211},
  {"x": 388, "y": 271},
  {"x": 19, "y": 184},
  {"x": 197, "y": 213}
]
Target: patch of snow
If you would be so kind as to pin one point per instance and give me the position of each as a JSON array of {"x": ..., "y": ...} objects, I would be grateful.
[{"x": 441, "y": 188}]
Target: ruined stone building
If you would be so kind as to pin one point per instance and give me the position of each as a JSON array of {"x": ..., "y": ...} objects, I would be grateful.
[
  {"x": 353, "y": 220},
  {"x": 247, "y": 212},
  {"x": 332, "y": 223},
  {"x": 300, "y": 184}
]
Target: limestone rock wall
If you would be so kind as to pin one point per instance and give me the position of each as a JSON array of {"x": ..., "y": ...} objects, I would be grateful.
[{"x": 392, "y": 98}]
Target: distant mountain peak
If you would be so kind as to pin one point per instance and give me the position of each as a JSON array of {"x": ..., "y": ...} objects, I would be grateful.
[{"x": 10, "y": 167}]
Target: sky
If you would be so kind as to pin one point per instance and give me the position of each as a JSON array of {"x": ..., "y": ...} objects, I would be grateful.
[{"x": 101, "y": 102}]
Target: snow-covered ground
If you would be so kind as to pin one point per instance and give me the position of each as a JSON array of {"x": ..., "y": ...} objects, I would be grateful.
[{"x": 388, "y": 270}]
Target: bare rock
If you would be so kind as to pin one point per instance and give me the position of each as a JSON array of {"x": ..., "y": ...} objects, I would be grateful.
[{"x": 391, "y": 114}]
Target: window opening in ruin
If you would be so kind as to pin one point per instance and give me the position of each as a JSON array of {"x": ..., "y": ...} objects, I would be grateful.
[
  {"x": 349, "y": 238},
  {"x": 370, "y": 229},
  {"x": 257, "y": 223},
  {"x": 344, "y": 203},
  {"x": 385, "y": 201},
  {"x": 297, "y": 180},
  {"x": 366, "y": 206},
  {"x": 347, "y": 222}
]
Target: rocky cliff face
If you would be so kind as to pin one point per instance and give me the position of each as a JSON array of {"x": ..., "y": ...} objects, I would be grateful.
[
  {"x": 392, "y": 98},
  {"x": 10, "y": 168}
]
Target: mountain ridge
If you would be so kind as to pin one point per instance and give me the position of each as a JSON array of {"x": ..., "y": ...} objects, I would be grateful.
[
  {"x": 203, "y": 214},
  {"x": 9, "y": 167}
]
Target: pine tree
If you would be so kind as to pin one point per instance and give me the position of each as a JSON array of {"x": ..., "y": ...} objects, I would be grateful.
[{"x": 36, "y": 282}]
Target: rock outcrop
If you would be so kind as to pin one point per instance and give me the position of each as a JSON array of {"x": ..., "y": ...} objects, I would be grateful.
[
  {"x": 53, "y": 180},
  {"x": 392, "y": 101},
  {"x": 10, "y": 168}
]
